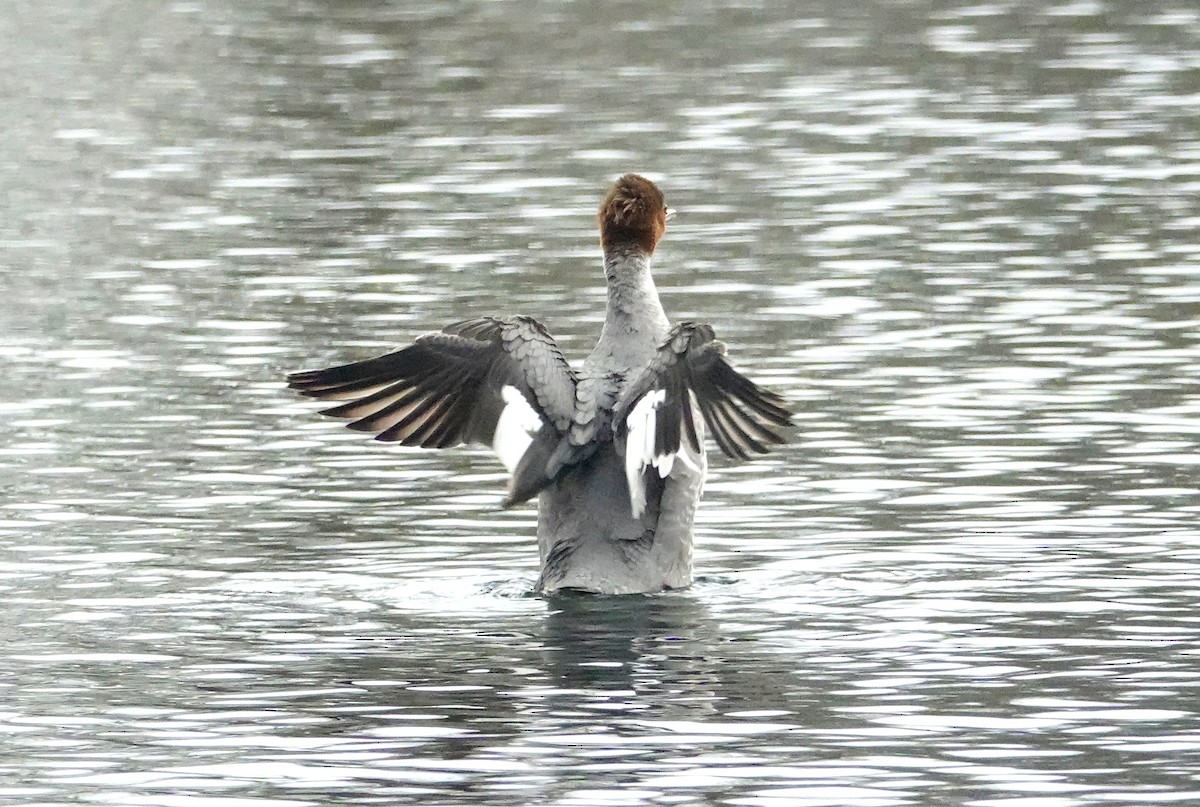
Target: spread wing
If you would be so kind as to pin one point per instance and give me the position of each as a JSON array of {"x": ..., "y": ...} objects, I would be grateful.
[
  {"x": 500, "y": 382},
  {"x": 655, "y": 415}
]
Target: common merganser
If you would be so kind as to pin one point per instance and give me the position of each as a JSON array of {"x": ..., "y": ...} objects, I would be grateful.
[{"x": 614, "y": 451}]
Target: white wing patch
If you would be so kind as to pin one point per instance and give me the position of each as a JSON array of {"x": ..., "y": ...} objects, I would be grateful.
[
  {"x": 515, "y": 428},
  {"x": 640, "y": 449}
]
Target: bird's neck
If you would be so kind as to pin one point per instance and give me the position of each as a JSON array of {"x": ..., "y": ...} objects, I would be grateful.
[{"x": 634, "y": 323}]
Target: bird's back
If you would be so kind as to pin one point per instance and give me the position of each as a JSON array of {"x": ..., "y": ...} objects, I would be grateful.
[
  {"x": 590, "y": 536},
  {"x": 590, "y": 540}
]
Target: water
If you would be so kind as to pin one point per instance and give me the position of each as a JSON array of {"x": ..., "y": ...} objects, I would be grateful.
[{"x": 961, "y": 238}]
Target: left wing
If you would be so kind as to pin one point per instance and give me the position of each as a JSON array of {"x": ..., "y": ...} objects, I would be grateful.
[{"x": 500, "y": 382}]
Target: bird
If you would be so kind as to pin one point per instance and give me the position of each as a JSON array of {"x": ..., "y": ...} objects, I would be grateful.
[{"x": 614, "y": 451}]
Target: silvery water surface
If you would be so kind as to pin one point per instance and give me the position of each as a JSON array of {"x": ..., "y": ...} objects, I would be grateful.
[{"x": 961, "y": 237}]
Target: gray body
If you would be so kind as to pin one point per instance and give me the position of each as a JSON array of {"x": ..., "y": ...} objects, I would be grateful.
[
  {"x": 588, "y": 537},
  {"x": 589, "y": 540}
]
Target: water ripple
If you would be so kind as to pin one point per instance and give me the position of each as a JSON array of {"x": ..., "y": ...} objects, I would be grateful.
[{"x": 961, "y": 241}]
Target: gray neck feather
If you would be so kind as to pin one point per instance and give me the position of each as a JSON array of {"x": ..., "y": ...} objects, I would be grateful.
[{"x": 635, "y": 323}]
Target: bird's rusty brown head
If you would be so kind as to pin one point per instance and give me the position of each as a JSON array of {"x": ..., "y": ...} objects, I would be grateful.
[{"x": 633, "y": 214}]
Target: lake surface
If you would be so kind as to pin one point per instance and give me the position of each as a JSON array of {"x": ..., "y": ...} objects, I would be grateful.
[{"x": 962, "y": 238}]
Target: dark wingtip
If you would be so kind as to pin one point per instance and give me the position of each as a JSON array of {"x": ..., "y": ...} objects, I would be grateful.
[
  {"x": 300, "y": 380},
  {"x": 522, "y": 494}
]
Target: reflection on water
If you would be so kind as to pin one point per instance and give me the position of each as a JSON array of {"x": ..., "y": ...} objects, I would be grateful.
[{"x": 961, "y": 239}]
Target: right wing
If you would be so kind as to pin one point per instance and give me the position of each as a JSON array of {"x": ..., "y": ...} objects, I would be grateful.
[
  {"x": 655, "y": 416},
  {"x": 501, "y": 382}
]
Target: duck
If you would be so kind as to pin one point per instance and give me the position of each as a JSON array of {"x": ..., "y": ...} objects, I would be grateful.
[{"x": 613, "y": 451}]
